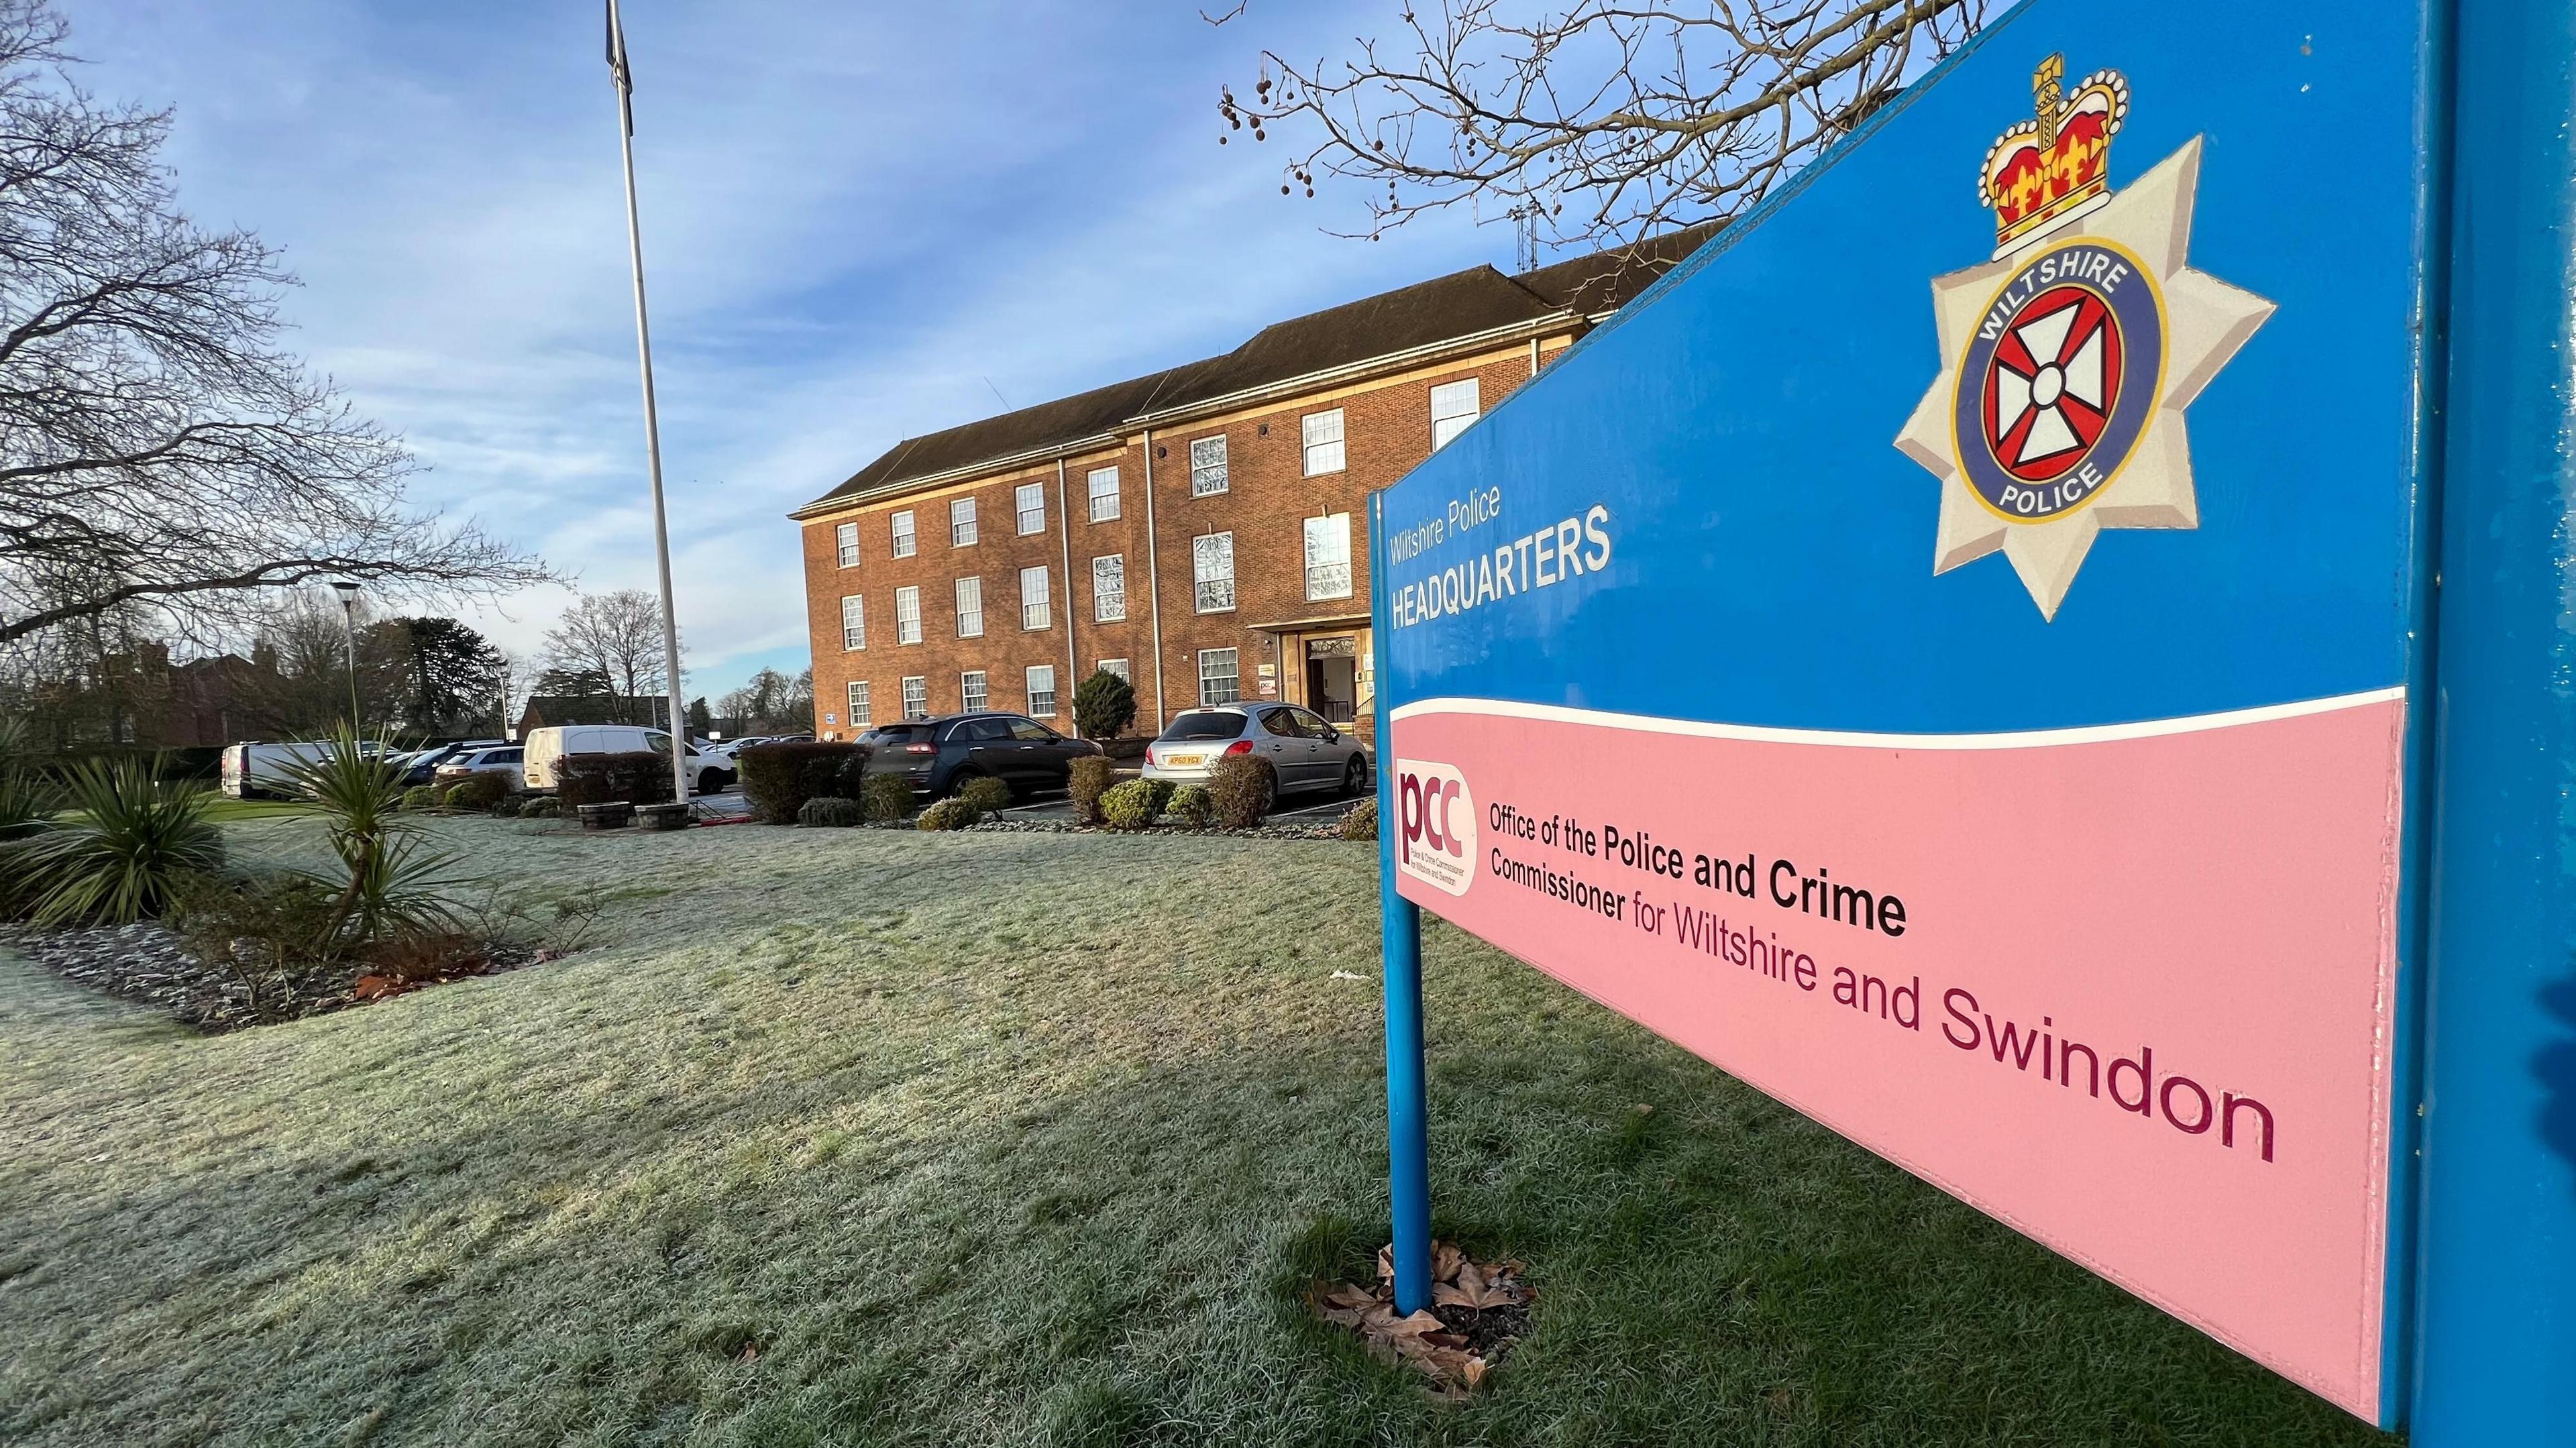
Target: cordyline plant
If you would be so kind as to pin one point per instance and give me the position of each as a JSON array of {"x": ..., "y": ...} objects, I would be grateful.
[
  {"x": 393, "y": 882},
  {"x": 23, "y": 806},
  {"x": 117, "y": 853}
]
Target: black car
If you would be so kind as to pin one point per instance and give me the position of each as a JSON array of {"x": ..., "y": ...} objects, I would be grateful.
[{"x": 940, "y": 755}]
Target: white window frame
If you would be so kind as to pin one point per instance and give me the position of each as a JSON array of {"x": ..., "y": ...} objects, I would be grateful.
[
  {"x": 899, "y": 528},
  {"x": 907, "y": 615},
  {"x": 1118, "y": 667},
  {"x": 1211, "y": 592},
  {"x": 854, "y": 623},
  {"x": 1099, "y": 494},
  {"x": 916, "y": 698},
  {"x": 1029, "y": 503},
  {"x": 1323, "y": 454},
  {"x": 1035, "y": 613},
  {"x": 961, "y": 523},
  {"x": 1041, "y": 701},
  {"x": 862, "y": 714},
  {"x": 1447, "y": 418},
  {"x": 970, "y": 610},
  {"x": 1207, "y": 466},
  {"x": 971, "y": 693},
  {"x": 1328, "y": 576},
  {"x": 845, "y": 542},
  {"x": 1233, "y": 675},
  {"x": 1109, "y": 605}
]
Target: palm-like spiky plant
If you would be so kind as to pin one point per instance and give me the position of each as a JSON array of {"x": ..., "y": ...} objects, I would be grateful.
[
  {"x": 392, "y": 882},
  {"x": 23, "y": 805},
  {"x": 124, "y": 844}
]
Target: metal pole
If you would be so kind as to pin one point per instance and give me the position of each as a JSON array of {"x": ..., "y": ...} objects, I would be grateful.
[
  {"x": 2495, "y": 1348},
  {"x": 1408, "y": 1111},
  {"x": 349, "y": 636},
  {"x": 652, "y": 437}
]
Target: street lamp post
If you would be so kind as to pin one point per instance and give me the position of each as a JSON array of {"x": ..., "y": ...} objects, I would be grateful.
[{"x": 349, "y": 633}]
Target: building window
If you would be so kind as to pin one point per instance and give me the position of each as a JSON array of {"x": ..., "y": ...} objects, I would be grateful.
[
  {"x": 1212, "y": 569},
  {"x": 1042, "y": 691},
  {"x": 1323, "y": 442},
  {"x": 1109, "y": 588},
  {"x": 916, "y": 698},
  {"x": 961, "y": 522},
  {"x": 970, "y": 608},
  {"x": 861, "y": 716},
  {"x": 846, "y": 539},
  {"x": 1207, "y": 466},
  {"x": 1104, "y": 494},
  {"x": 1031, "y": 499},
  {"x": 1118, "y": 667},
  {"x": 902, "y": 524},
  {"x": 1453, "y": 406},
  {"x": 907, "y": 615},
  {"x": 854, "y": 623},
  {"x": 970, "y": 690},
  {"x": 1328, "y": 556},
  {"x": 1218, "y": 683},
  {"x": 1033, "y": 597}
]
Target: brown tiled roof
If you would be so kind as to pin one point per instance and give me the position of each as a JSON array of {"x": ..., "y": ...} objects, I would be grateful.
[{"x": 1461, "y": 304}]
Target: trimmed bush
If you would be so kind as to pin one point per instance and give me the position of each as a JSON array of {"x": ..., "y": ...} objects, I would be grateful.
[
  {"x": 1103, "y": 705},
  {"x": 540, "y": 807},
  {"x": 886, "y": 797},
  {"x": 1163, "y": 790},
  {"x": 1361, "y": 821},
  {"x": 777, "y": 779},
  {"x": 636, "y": 776},
  {"x": 1091, "y": 778},
  {"x": 950, "y": 814},
  {"x": 1192, "y": 805},
  {"x": 477, "y": 792},
  {"x": 986, "y": 794},
  {"x": 1243, "y": 789},
  {"x": 831, "y": 811},
  {"x": 420, "y": 796},
  {"x": 1128, "y": 807}
]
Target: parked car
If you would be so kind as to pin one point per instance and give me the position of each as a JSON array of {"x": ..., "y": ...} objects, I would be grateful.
[
  {"x": 707, "y": 772},
  {"x": 503, "y": 760},
  {"x": 1302, "y": 750},
  {"x": 254, "y": 770},
  {"x": 419, "y": 766},
  {"x": 939, "y": 756}
]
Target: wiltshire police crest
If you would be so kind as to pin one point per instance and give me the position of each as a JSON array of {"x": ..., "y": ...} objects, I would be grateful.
[{"x": 2068, "y": 359}]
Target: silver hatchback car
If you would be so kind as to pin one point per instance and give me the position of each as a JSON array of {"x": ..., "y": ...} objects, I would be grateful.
[{"x": 1303, "y": 751}]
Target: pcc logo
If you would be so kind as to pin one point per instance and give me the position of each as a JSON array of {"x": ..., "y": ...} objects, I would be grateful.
[{"x": 1435, "y": 825}]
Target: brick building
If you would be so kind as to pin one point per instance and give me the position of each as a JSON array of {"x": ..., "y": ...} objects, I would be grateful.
[{"x": 1201, "y": 530}]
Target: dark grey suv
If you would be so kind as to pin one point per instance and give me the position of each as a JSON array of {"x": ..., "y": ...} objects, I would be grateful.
[{"x": 940, "y": 755}]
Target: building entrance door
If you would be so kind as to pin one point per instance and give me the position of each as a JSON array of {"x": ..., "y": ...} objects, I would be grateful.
[{"x": 1332, "y": 678}]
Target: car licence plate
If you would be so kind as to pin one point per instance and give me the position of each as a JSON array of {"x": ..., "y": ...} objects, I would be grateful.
[{"x": 1179, "y": 760}]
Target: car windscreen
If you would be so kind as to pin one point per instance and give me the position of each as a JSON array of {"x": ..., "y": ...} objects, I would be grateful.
[
  {"x": 1204, "y": 724},
  {"x": 900, "y": 733}
]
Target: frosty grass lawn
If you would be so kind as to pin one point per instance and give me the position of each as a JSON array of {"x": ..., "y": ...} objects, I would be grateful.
[{"x": 868, "y": 1137}]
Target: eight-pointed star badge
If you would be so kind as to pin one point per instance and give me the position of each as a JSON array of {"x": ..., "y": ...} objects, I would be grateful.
[{"x": 2068, "y": 359}]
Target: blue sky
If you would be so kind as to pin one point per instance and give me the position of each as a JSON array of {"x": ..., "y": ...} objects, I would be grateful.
[{"x": 854, "y": 215}]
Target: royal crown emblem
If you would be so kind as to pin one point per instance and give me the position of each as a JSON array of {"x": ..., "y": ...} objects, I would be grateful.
[{"x": 2068, "y": 359}]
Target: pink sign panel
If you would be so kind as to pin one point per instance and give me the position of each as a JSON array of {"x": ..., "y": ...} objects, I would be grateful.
[{"x": 2127, "y": 988}]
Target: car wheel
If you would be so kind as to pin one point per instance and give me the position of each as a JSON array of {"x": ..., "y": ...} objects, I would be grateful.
[
  {"x": 1355, "y": 778},
  {"x": 718, "y": 781},
  {"x": 956, "y": 783},
  {"x": 1269, "y": 789}
]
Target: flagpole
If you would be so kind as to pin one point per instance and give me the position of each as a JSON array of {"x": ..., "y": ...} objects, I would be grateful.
[{"x": 621, "y": 77}]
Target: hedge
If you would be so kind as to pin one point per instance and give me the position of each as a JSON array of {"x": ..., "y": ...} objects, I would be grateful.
[
  {"x": 777, "y": 779},
  {"x": 636, "y": 776}
]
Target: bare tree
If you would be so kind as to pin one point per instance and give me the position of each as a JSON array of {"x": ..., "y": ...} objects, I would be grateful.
[
  {"x": 617, "y": 636},
  {"x": 157, "y": 450},
  {"x": 1600, "y": 124}
]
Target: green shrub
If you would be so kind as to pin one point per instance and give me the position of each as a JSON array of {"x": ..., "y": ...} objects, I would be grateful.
[
  {"x": 777, "y": 779},
  {"x": 1243, "y": 788},
  {"x": 420, "y": 797},
  {"x": 540, "y": 807},
  {"x": 1163, "y": 790},
  {"x": 127, "y": 842},
  {"x": 635, "y": 776},
  {"x": 986, "y": 794},
  {"x": 1103, "y": 705},
  {"x": 1090, "y": 778},
  {"x": 831, "y": 811},
  {"x": 950, "y": 814},
  {"x": 23, "y": 806},
  {"x": 1130, "y": 806},
  {"x": 274, "y": 931},
  {"x": 886, "y": 797},
  {"x": 1194, "y": 806},
  {"x": 1360, "y": 823},
  {"x": 477, "y": 792}
]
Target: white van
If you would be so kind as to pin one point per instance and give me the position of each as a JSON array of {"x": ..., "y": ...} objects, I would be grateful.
[
  {"x": 707, "y": 772},
  {"x": 254, "y": 770}
]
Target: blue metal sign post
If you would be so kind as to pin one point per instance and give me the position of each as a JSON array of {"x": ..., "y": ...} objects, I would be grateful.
[{"x": 2080, "y": 587}]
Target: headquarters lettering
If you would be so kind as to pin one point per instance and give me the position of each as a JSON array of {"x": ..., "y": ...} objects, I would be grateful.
[{"x": 1563, "y": 550}]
